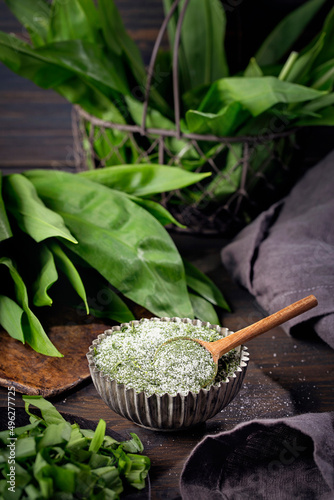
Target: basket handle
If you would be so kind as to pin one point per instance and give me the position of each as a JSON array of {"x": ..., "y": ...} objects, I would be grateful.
[{"x": 151, "y": 66}]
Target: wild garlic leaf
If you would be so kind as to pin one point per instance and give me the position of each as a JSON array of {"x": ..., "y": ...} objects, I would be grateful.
[
  {"x": 118, "y": 40},
  {"x": 11, "y": 318},
  {"x": 203, "y": 285},
  {"x": 120, "y": 43},
  {"x": 74, "y": 20},
  {"x": 34, "y": 333},
  {"x": 322, "y": 77},
  {"x": 228, "y": 180},
  {"x": 33, "y": 217},
  {"x": 253, "y": 69},
  {"x": 257, "y": 95},
  {"x": 202, "y": 57},
  {"x": 143, "y": 180},
  {"x": 98, "y": 438},
  {"x": 36, "y": 21},
  {"x": 46, "y": 277},
  {"x": 22, "y": 59},
  {"x": 284, "y": 35},
  {"x": 87, "y": 60},
  {"x": 49, "y": 412},
  {"x": 65, "y": 264},
  {"x": 327, "y": 51},
  {"x": 122, "y": 241},
  {"x": 325, "y": 118},
  {"x": 221, "y": 124},
  {"x": 133, "y": 445},
  {"x": 70, "y": 57},
  {"x": 203, "y": 309},
  {"x": 157, "y": 210},
  {"x": 5, "y": 229},
  {"x": 300, "y": 70},
  {"x": 320, "y": 103},
  {"x": 103, "y": 300}
]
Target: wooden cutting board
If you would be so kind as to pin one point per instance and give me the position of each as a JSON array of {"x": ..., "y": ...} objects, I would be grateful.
[{"x": 33, "y": 373}]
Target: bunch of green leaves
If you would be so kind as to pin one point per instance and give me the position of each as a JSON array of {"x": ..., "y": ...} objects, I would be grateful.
[
  {"x": 54, "y": 459},
  {"x": 99, "y": 232},
  {"x": 81, "y": 49}
]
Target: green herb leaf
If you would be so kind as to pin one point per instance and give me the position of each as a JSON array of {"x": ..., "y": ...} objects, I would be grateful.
[
  {"x": 34, "y": 333},
  {"x": 221, "y": 124},
  {"x": 87, "y": 60},
  {"x": 322, "y": 78},
  {"x": 122, "y": 241},
  {"x": 67, "y": 58},
  {"x": 133, "y": 445},
  {"x": 11, "y": 318},
  {"x": 98, "y": 438},
  {"x": 320, "y": 103},
  {"x": 117, "y": 39},
  {"x": 286, "y": 33},
  {"x": 120, "y": 43},
  {"x": 203, "y": 309},
  {"x": 157, "y": 210},
  {"x": 25, "y": 448},
  {"x": 253, "y": 69},
  {"x": 49, "y": 412},
  {"x": 34, "y": 18},
  {"x": 55, "y": 434},
  {"x": 67, "y": 267},
  {"x": 327, "y": 52},
  {"x": 33, "y": 217},
  {"x": 228, "y": 179},
  {"x": 202, "y": 285},
  {"x": 73, "y": 21},
  {"x": 139, "y": 469},
  {"x": 5, "y": 229},
  {"x": 326, "y": 118},
  {"x": 302, "y": 66},
  {"x": 102, "y": 300},
  {"x": 22, "y": 59},
  {"x": 91, "y": 99},
  {"x": 46, "y": 277},
  {"x": 143, "y": 180},
  {"x": 119, "y": 312},
  {"x": 202, "y": 57},
  {"x": 154, "y": 118},
  {"x": 255, "y": 94}
]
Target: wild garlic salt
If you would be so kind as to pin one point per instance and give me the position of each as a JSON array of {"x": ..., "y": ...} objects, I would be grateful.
[{"x": 128, "y": 356}]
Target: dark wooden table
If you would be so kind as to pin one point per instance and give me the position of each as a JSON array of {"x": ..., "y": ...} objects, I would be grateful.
[{"x": 286, "y": 376}]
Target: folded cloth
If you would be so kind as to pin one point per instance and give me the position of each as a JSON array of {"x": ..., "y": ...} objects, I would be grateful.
[
  {"x": 276, "y": 459},
  {"x": 287, "y": 253}
]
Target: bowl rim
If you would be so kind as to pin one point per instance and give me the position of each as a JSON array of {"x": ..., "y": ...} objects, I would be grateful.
[{"x": 243, "y": 359}]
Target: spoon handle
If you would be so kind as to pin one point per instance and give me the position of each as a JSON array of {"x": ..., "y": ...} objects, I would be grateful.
[{"x": 242, "y": 336}]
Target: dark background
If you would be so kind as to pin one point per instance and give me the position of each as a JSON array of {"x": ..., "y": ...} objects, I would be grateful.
[{"x": 35, "y": 124}]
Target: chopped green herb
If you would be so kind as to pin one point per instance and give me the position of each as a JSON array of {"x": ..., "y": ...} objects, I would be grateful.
[{"x": 54, "y": 459}]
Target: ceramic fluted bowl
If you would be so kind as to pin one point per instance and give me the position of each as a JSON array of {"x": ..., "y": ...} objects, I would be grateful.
[{"x": 166, "y": 412}]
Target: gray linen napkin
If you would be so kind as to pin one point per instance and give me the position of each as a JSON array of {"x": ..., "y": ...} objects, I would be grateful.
[
  {"x": 287, "y": 253},
  {"x": 276, "y": 459}
]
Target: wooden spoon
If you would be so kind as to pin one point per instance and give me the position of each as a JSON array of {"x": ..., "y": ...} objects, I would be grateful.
[{"x": 224, "y": 345}]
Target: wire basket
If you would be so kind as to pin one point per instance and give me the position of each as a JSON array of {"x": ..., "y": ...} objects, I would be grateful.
[{"x": 248, "y": 173}]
